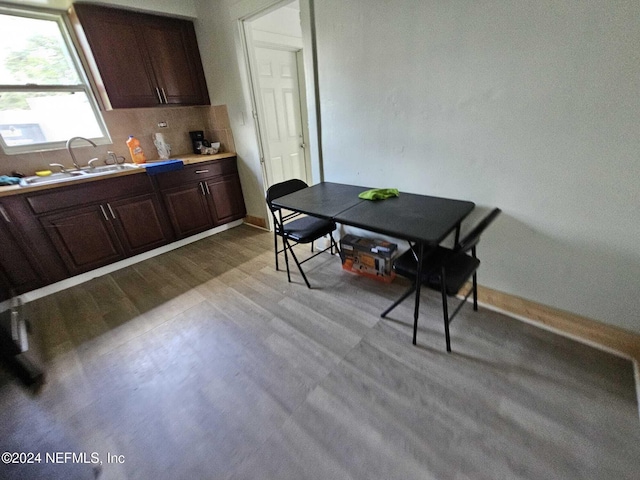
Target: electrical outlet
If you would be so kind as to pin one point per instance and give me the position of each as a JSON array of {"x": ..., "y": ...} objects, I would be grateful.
[{"x": 162, "y": 124}]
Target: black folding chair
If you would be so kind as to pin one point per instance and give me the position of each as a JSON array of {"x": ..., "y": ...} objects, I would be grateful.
[
  {"x": 445, "y": 270},
  {"x": 295, "y": 228}
]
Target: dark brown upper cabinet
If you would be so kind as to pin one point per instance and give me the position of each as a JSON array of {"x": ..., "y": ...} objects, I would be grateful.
[{"x": 140, "y": 60}]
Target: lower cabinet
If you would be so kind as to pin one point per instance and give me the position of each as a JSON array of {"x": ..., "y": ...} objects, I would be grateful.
[
  {"x": 188, "y": 209},
  {"x": 96, "y": 235},
  {"x": 94, "y": 224},
  {"x": 226, "y": 200},
  {"x": 69, "y": 230},
  {"x": 139, "y": 223},
  {"x": 84, "y": 238},
  {"x": 17, "y": 272},
  {"x": 202, "y": 196},
  {"x": 6, "y": 286}
]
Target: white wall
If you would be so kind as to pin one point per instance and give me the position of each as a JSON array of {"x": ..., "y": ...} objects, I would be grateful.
[
  {"x": 281, "y": 27},
  {"x": 530, "y": 106},
  {"x": 219, "y": 39}
]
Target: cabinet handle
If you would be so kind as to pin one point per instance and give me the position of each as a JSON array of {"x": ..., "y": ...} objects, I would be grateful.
[
  {"x": 158, "y": 93},
  {"x": 164, "y": 95},
  {"x": 111, "y": 211},
  {"x": 198, "y": 172},
  {"x": 4, "y": 214},
  {"x": 104, "y": 213},
  {"x": 202, "y": 188},
  {"x": 207, "y": 185}
]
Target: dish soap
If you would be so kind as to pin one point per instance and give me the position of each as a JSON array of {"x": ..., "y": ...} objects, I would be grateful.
[{"x": 137, "y": 154}]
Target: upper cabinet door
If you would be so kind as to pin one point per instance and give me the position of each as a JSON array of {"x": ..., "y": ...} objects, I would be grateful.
[
  {"x": 176, "y": 63},
  {"x": 123, "y": 64},
  {"x": 141, "y": 60}
]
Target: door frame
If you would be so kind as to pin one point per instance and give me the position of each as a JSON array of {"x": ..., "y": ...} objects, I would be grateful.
[
  {"x": 257, "y": 110},
  {"x": 312, "y": 126}
]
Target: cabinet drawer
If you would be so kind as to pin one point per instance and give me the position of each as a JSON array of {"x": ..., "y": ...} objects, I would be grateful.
[
  {"x": 196, "y": 173},
  {"x": 89, "y": 193}
]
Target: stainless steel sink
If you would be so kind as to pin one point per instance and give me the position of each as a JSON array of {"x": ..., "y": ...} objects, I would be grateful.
[
  {"x": 71, "y": 175},
  {"x": 109, "y": 168}
]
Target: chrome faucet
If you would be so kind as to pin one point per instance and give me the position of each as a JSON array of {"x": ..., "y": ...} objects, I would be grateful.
[{"x": 73, "y": 157}]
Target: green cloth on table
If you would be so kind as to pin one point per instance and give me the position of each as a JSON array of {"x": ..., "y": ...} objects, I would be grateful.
[{"x": 379, "y": 193}]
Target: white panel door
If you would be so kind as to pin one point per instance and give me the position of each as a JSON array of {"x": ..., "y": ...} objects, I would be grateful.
[{"x": 282, "y": 132}]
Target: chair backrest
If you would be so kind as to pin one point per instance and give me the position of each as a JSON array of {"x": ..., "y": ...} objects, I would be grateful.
[
  {"x": 473, "y": 237},
  {"x": 281, "y": 189}
]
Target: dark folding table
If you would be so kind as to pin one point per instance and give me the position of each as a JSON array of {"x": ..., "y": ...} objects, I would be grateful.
[
  {"x": 424, "y": 220},
  {"x": 324, "y": 200}
]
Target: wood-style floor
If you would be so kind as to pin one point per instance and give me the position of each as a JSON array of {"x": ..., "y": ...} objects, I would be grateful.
[{"x": 204, "y": 363}]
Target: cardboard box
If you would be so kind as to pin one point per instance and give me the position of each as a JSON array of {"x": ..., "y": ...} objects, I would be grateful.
[{"x": 370, "y": 257}]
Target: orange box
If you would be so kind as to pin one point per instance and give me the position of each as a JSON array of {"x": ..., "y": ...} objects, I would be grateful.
[{"x": 369, "y": 257}]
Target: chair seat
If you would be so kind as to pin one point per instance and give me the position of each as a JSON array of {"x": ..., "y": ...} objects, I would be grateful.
[
  {"x": 307, "y": 229},
  {"x": 458, "y": 268}
]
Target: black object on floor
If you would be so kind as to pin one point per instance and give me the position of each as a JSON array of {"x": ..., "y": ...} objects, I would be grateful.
[{"x": 14, "y": 347}]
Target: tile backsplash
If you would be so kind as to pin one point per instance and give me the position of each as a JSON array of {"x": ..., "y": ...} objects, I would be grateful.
[{"x": 141, "y": 123}]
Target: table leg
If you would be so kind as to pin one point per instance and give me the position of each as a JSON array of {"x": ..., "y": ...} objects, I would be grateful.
[
  {"x": 416, "y": 312},
  {"x": 411, "y": 289}
]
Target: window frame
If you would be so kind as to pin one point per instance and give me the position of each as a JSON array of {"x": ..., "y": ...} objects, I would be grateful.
[{"x": 70, "y": 42}]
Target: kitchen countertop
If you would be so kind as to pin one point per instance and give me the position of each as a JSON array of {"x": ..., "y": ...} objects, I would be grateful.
[{"x": 188, "y": 159}]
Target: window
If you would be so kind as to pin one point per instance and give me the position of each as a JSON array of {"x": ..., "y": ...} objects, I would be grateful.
[{"x": 45, "y": 97}]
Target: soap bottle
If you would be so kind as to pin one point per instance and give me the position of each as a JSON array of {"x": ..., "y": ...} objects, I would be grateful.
[{"x": 137, "y": 155}]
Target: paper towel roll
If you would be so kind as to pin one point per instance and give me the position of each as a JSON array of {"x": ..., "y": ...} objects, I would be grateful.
[{"x": 164, "y": 149}]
